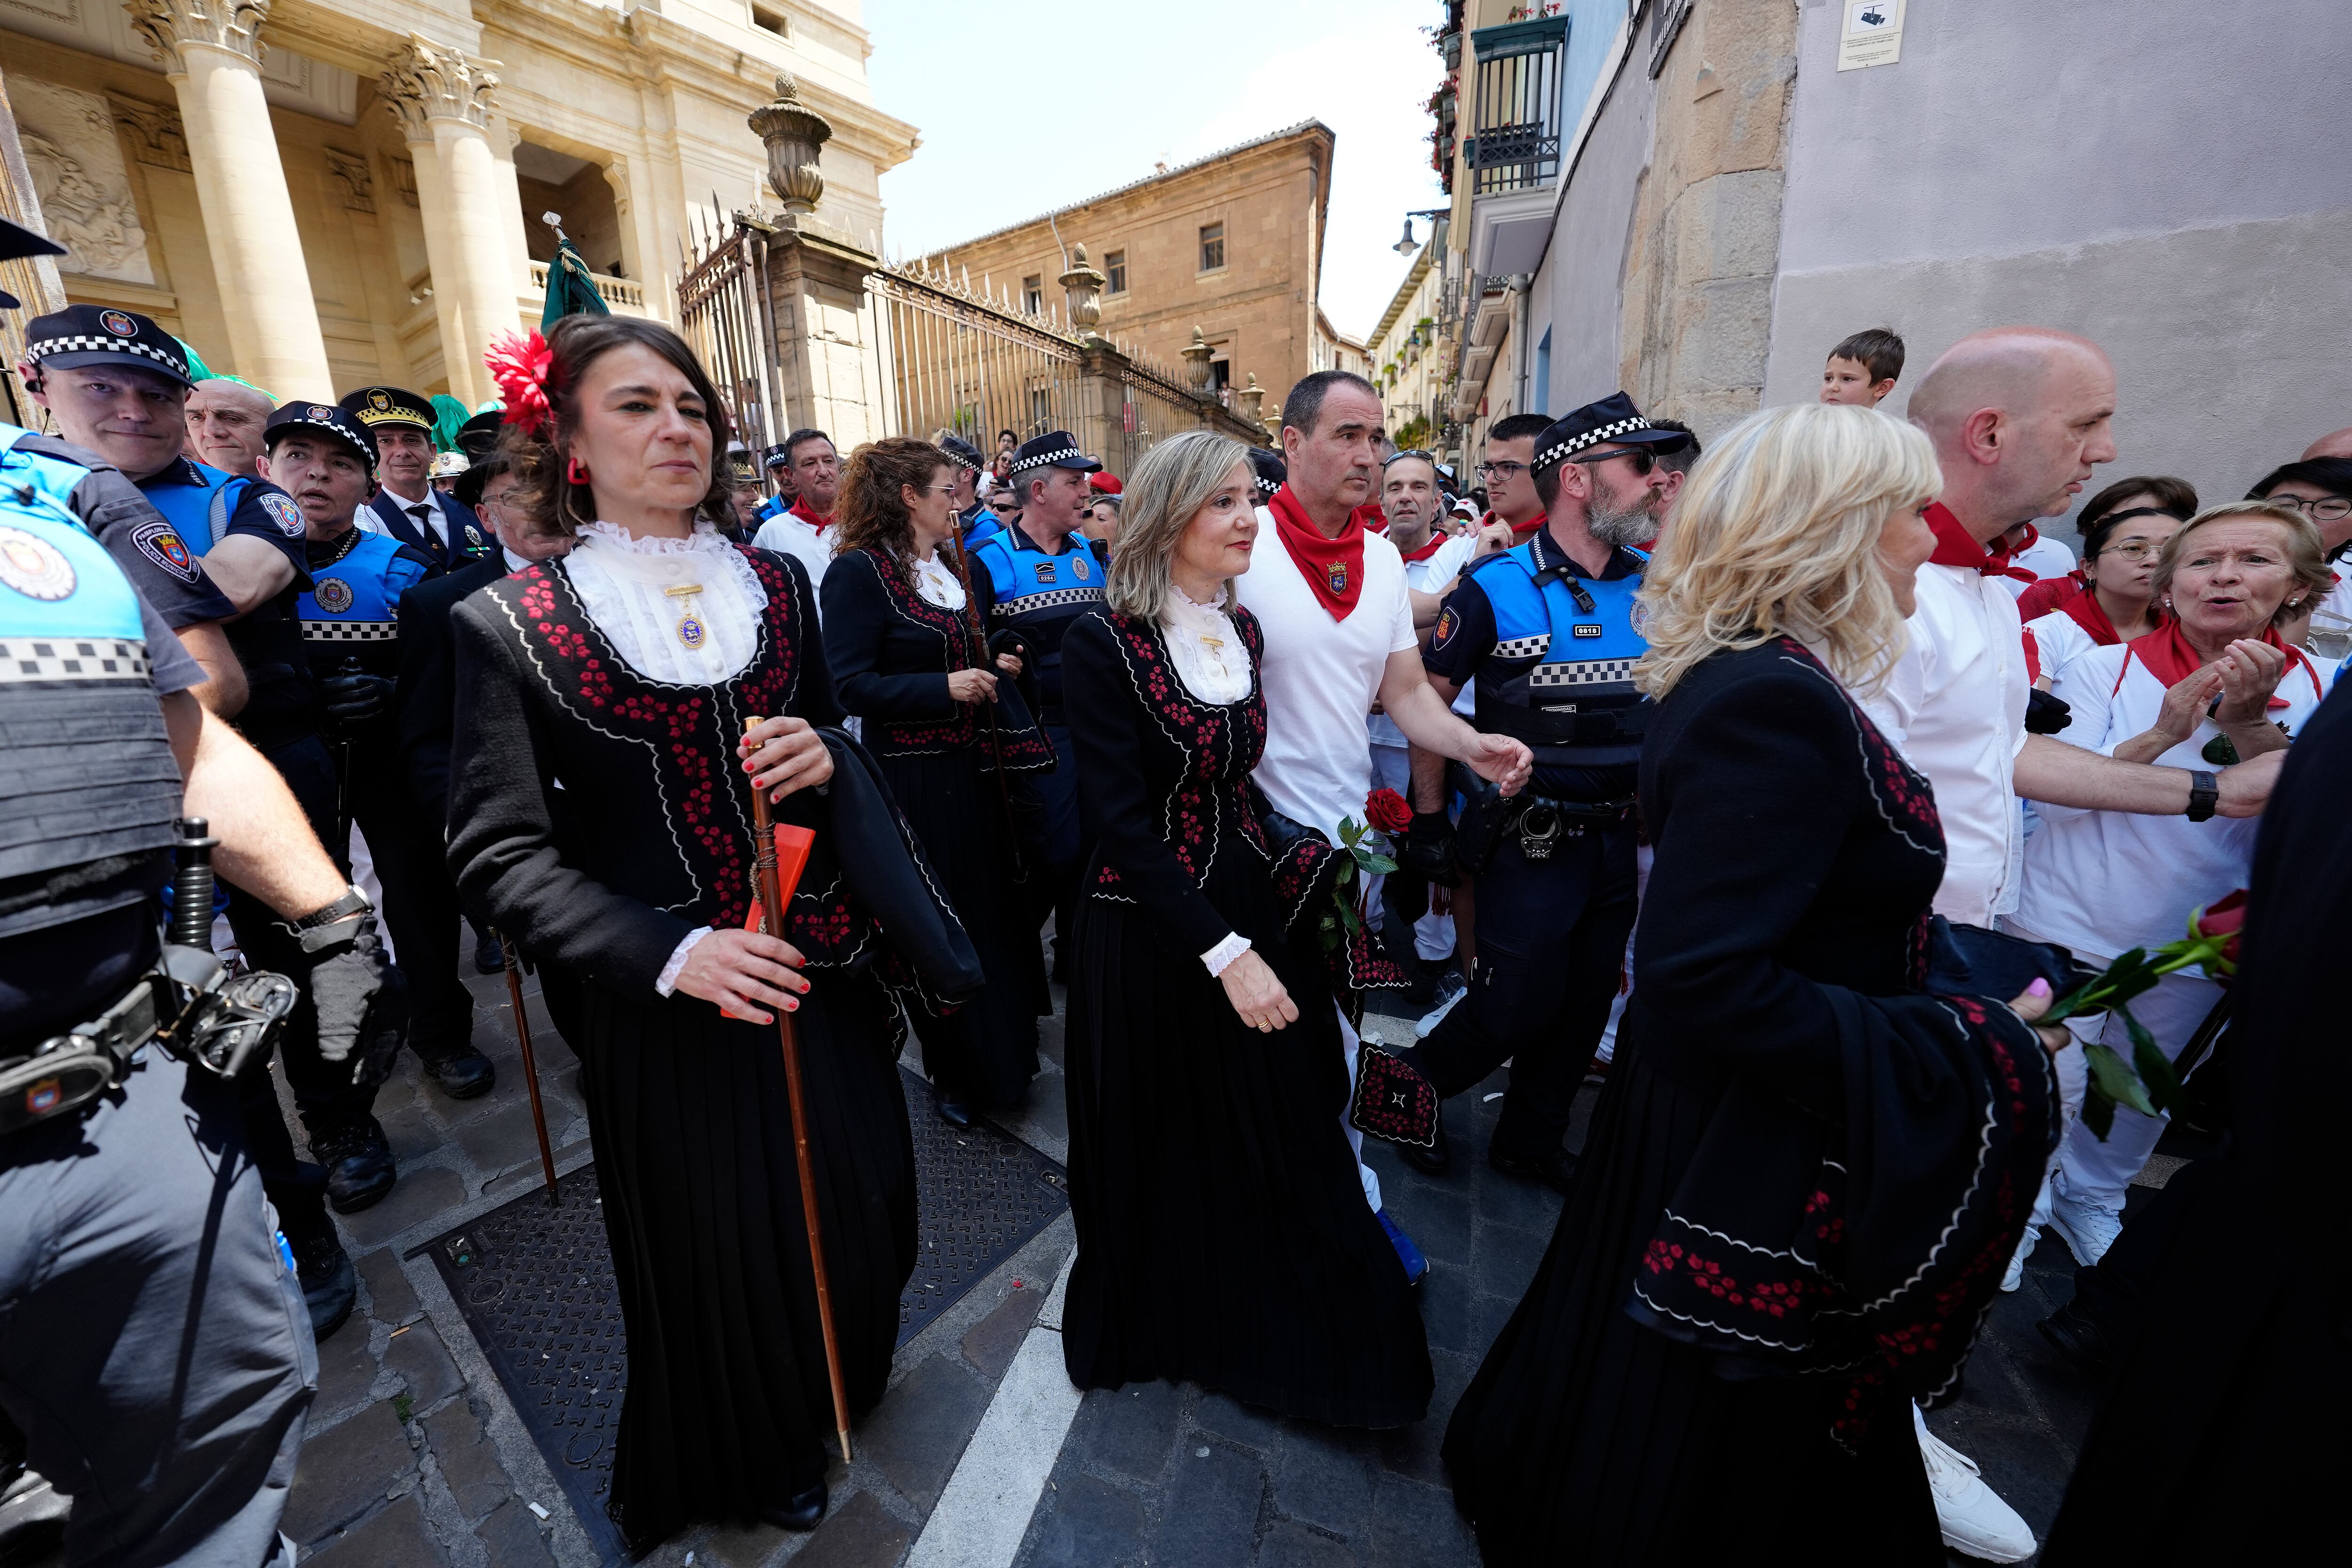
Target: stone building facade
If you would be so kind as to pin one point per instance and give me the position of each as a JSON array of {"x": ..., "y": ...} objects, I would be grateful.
[
  {"x": 1708, "y": 193},
  {"x": 1217, "y": 244},
  {"x": 319, "y": 193},
  {"x": 1402, "y": 352}
]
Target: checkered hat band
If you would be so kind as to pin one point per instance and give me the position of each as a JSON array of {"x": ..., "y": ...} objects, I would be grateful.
[
  {"x": 30, "y": 659},
  {"x": 351, "y": 631},
  {"x": 1047, "y": 459},
  {"x": 1570, "y": 446},
  {"x": 83, "y": 343},
  {"x": 1266, "y": 486}
]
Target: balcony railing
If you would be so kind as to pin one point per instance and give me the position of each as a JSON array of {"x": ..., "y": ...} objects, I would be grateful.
[
  {"x": 618, "y": 292},
  {"x": 1516, "y": 113}
]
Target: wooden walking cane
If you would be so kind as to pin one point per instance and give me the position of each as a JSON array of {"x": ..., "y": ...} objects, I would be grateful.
[
  {"x": 529, "y": 1065},
  {"x": 981, "y": 661},
  {"x": 772, "y": 897}
]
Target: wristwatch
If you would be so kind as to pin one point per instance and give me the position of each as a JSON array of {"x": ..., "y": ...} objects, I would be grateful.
[
  {"x": 313, "y": 929},
  {"x": 2204, "y": 794}
]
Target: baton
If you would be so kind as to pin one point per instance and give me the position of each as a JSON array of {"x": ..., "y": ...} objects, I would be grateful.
[
  {"x": 772, "y": 898},
  {"x": 530, "y": 1064}
]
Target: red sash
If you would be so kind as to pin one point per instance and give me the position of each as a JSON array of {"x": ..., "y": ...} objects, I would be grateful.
[
  {"x": 798, "y": 508},
  {"x": 1436, "y": 541},
  {"x": 1334, "y": 569},
  {"x": 2085, "y": 611}
]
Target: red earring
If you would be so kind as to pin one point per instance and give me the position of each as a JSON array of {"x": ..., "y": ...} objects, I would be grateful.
[{"x": 574, "y": 472}]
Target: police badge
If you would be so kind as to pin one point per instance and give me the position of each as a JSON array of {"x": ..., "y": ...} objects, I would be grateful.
[
  {"x": 160, "y": 543},
  {"x": 333, "y": 594}
]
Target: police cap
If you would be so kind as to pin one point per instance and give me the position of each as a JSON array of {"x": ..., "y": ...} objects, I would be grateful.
[
  {"x": 479, "y": 437},
  {"x": 335, "y": 422},
  {"x": 962, "y": 452},
  {"x": 101, "y": 335},
  {"x": 1055, "y": 449},
  {"x": 387, "y": 408},
  {"x": 1611, "y": 418},
  {"x": 1267, "y": 470}
]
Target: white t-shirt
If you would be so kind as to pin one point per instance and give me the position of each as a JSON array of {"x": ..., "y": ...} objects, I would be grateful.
[
  {"x": 788, "y": 535},
  {"x": 2045, "y": 557},
  {"x": 1427, "y": 576},
  {"x": 2058, "y": 641},
  {"x": 1955, "y": 706},
  {"x": 1321, "y": 675},
  {"x": 2103, "y": 882}
]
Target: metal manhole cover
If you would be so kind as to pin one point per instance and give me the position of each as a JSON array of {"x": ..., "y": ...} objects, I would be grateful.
[{"x": 536, "y": 1285}]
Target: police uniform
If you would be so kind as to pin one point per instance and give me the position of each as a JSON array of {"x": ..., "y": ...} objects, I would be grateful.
[
  {"x": 156, "y": 1352},
  {"x": 975, "y": 522},
  {"x": 438, "y": 526},
  {"x": 350, "y": 617},
  {"x": 1547, "y": 652},
  {"x": 1030, "y": 596}
]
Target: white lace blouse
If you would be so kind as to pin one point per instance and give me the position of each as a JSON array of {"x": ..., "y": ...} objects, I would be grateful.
[
  {"x": 1205, "y": 648},
  {"x": 685, "y": 612},
  {"x": 938, "y": 583}
]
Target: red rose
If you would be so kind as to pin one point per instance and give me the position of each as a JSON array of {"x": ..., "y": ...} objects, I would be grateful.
[
  {"x": 1385, "y": 809},
  {"x": 2222, "y": 917}
]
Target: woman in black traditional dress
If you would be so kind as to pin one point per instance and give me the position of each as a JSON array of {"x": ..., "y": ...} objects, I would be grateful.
[
  {"x": 601, "y": 796},
  {"x": 899, "y": 636},
  {"x": 1805, "y": 1174},
  {"x": 1222, "y": 1235}
]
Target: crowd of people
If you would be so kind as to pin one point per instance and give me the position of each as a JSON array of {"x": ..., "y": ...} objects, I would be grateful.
[{"x": 1228, "y": 749}]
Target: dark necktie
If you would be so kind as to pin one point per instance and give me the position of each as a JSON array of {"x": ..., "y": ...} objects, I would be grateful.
[{"x": 424, "y": 516}]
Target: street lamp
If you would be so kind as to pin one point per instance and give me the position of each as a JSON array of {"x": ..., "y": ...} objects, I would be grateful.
[{"x": 1405, "y": 246}]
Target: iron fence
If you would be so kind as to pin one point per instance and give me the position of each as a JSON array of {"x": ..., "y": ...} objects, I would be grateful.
[
  {"x": 724, "y": 313},
  {"x": 953, "y": 360}
]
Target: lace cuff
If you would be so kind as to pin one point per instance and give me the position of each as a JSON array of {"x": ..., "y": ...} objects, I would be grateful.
[
  {"x": 667, "y": 981},
  {"x": 1220, "y": 958}
]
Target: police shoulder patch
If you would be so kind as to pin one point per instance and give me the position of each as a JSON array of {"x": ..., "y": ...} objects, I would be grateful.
[
  {"x": 1447, "y": 624},
  {"x": 283, "y": 512},
  {"x": 159, "y": 542}
]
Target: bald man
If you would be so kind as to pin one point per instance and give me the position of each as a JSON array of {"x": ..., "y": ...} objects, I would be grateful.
[
  {"x": 224, "y": 424},
  {"x": 2021, "y": 417},
  {"x": 2335, "y": 443}
]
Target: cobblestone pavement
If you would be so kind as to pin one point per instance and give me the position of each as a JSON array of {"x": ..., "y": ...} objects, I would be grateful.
[{"x": 415, "y": 1456}]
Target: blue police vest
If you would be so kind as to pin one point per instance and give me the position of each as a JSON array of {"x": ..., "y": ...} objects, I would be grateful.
[
  {"x": 1039, "y": 595},
  {"x": 87, "y": 773},
  {"x": 773, "y": 507},
  {"x": 1576, "y": 706},
  {"x": 354, "y": 603},
  {"x": 984, "y": 524}
]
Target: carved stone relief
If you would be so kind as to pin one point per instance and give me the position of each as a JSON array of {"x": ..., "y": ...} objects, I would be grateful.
[{"x": 84, "y": 185}]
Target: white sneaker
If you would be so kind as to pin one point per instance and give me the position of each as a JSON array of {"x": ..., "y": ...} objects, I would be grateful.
[
  {"x": 2087, "y": 1229},
  {"x": 2014, "y": 1275},
  {"x": 1436, "y": 1015},
  {"x": 1973, "y": 1518}
]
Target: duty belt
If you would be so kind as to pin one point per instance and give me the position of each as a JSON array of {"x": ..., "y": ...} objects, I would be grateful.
[{"x": 1539, "y": 822}]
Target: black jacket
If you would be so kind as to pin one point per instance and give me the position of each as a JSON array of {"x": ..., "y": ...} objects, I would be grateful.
[
  {"x": 424, "y": 705},
  {"x": 467, "y": 536}
]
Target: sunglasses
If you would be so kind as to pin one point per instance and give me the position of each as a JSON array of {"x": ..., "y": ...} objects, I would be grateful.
[{"x": 1642, "y": 461}]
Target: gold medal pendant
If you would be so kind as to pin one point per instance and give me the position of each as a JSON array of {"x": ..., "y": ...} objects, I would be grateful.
[{"x": 690, "y": 629}]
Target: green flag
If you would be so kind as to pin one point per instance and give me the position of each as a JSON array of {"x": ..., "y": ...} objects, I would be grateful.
[
  {"x": 448, "y": 413},
  {"x": 570, "y": 288}
]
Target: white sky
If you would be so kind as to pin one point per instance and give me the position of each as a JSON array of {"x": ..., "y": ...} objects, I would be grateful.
[{"x": 1123, "y": 88}]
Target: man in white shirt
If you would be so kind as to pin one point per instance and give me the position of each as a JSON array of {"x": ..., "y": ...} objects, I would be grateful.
[
  {"x": 2020, "y": 417},
  {"x": 1336, "y": 614},
  {"x": 798, "y": 527}
]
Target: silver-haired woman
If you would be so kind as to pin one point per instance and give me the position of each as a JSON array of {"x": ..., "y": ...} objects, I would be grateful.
[
  {"x": 1205, "y": 1076},
  {"x": 1804, "y": 1175}
]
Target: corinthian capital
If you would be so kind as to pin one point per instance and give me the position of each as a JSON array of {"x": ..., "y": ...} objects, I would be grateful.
[
  {"x": 168, "y": 26},
  {"x": 429, "y": 82}
]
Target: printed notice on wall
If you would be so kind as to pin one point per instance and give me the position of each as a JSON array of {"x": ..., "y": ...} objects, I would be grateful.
[{"x": 1873, "y": 35}]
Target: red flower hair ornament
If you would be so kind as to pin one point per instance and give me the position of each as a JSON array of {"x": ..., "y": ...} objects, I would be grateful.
[{"x": 521, "y": 367}]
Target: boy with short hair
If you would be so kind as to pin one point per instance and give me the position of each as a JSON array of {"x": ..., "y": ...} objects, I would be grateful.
[{"x": 1863, "y": 370}]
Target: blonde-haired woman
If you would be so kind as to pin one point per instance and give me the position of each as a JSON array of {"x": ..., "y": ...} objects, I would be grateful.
[
  {"x": 1206, "y": 1075},
  {"x": 1799, "y": 1160}
]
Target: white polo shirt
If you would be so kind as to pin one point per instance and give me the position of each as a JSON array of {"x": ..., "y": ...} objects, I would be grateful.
[
  {"x": 1955, "y": 706},
  {"x": 1321, "y": 675}
]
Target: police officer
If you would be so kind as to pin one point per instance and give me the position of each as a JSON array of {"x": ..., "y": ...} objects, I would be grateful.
[
  {"x": 322, "y": 456},
  {"x": 440, "y": 528},
  {"x": 777, "y": 460},
  {"x": 116, "y": 382},
  {"x": 1031, "y": 579},
  {"x": 974, "y": 518},
  {"x": 152, "y": 1356},
  {"x": 1544, "y": 634}
]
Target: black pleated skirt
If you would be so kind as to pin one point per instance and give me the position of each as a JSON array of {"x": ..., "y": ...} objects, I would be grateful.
[
  {"x": 1588, "y": 1438},
  {"x": 1222, "y": 1232},
  {"x": 987, "y": 1049},
  {"x": 728, "y": 1409}
]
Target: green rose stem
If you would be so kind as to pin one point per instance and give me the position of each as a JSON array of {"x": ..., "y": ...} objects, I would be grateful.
[{"x": 2148, "y": 1082}]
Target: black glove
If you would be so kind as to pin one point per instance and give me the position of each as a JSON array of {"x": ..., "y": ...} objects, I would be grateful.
[
  {"x": 2045, "y": 715},
  {"x": 362, "y": 1002},
  {"x": 1427, "y": 848},
  {"x": 352, "y": 696}
]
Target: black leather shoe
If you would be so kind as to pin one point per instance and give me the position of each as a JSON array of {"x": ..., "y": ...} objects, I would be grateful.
[
  {"x": 1434, "y": 1160},
  {"x": 358, "y": 1163},
  {"x": 2078, "y": 1337},
  {"x": 330, "y": 1286},
  {"x": 1555, "y": 1170},
  {"x": 803, "y": 1514},
  {"x": 953, "y": 1111},
  {"x": 490, "y": 956},
  {"x": 462, "y": 1074}
]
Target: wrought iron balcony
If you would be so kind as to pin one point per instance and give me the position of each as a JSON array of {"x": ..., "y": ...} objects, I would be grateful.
[{"x": 1516, "y": 112}]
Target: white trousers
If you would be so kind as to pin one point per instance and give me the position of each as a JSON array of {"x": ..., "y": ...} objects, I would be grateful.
[
  {"x": 2100, "y": 1172},
  {"x": 1432, "y": 934}
]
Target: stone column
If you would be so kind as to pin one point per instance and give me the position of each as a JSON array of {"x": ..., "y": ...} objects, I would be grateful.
[
  {"x": 211, "y": 52},
  {"x": 504, "y": 139},
  {"x": 442, "y": 99}
]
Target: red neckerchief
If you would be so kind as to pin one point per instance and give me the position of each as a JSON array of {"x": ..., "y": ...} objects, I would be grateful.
[
  {"x": 1520, "y": 530},
  {"x": 2091, "y": 616},
  {"x": 2168, "y": 657},
  {"x": 1370, "y": 517},
  {"x": 2000, "y": 552},
  {"x": 2032, "y": 656},
  {"x": 798, "y": 508},
  {"x": 1955, "y": 547},
  {"x": 1436, "y": 540},
  {"x": 1334, "y": 569}
]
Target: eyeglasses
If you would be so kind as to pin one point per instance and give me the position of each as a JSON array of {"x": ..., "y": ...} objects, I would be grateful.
[
  {"x": 2325, "y": 509},
  {"x": 1642, "y": 461},
  {"x": 1490, "y": 472},
  {"x": 2137, "y": 549}
]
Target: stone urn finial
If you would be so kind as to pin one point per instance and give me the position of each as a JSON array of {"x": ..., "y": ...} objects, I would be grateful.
[
  {"x": 1082, "y": 288},
  {"x": 1197, "y": 355},
  {"x": 1250, "y": 400},
  {"x": 794, "y": 135}
]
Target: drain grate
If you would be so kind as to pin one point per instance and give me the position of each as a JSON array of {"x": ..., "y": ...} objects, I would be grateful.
[{"x": 536, "y": 1284}]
